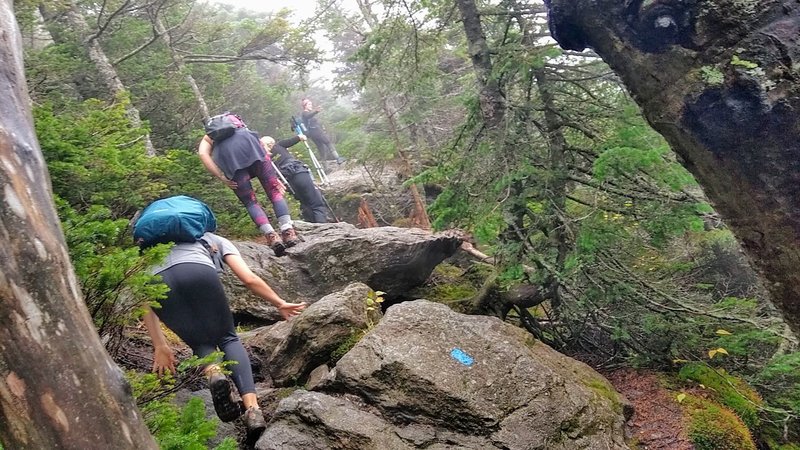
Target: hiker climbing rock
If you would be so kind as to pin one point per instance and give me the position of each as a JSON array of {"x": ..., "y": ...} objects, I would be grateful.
[
  {"x": 233, "y": 153},
  {"x": 196, "y": 307},
  {"x": 316, "y": 132},
  {"x": 298, "y": 175}
]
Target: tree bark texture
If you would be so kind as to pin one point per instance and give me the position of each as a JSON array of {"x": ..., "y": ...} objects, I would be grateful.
[
  {"x": 58, "y": 387},
  {"x": 720, "y": 79},
  {"x": 492, "y": 99}
]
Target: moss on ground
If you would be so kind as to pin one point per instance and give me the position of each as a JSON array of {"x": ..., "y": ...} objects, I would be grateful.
[
  {"x": 715, "y": 427},
  {"x": 727, "y": 390}
]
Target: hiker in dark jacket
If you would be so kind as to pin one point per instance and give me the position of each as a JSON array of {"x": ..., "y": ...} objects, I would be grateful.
[
  {"x": 316, "y": 132},
  {"x": 197, "y": 310},
  {"x": 238, "y": 159},
  {"x": 299, "y": 177}
]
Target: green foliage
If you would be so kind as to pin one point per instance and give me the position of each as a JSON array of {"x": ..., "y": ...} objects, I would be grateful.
[
  {"x": 728, "y": 390},
  {"x": 94, "y": 156},
  {"x": 712, "y": 75},
  {"x": 736, "y": 61},
  {"x": 175, "y": 428},
  {"x": 713, "y": 427},
  {"x": 779, "y": 382}
]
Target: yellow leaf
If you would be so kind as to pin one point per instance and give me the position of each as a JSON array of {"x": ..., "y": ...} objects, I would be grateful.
[
  {"x": 681, "y": 397},
  {"x": 379, "y": 292},
  {"x": 712, "y": 353},
  {"x": 722, "y": 332},
  {"x": 679, "y": 361}
]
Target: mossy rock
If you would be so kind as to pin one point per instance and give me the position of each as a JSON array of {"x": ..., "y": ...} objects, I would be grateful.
[
  {"x": 604, "y": 389},
  {"x": 728, "y": 390},
  {"x": 447, "y": 284},
  {"x": 351, "y": 341},
  {"x": 715, "y": 427}
]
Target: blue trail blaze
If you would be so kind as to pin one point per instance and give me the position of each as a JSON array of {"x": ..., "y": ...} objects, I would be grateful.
[{"x": 461, "y": 356}]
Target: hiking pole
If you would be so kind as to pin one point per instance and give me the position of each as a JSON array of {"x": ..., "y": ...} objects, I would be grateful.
[
  {"x": 323, "y": 177},
  {"x": 328, "y": 205},
  {"x": 283, "y": 179}
]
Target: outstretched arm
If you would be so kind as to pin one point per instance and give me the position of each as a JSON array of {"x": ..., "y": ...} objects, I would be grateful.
[
  {"x": 259, "y": 287},
  {"x": 204, "y": 150},
  {"x": 286, "y": 143},
  {"x": 163, "y": 357}
]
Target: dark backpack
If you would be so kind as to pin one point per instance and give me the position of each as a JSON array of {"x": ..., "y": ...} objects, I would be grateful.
[
  {"x": 223, "y": 126},
  {"x": 177, "y": 219},
  {"x": 299, "y": 125}
]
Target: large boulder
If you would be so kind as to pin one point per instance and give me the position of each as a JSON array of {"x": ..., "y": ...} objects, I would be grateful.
[
  {"x": 381, "y": 190},
  {"x": 427, "y": 377},
  {"x": 331, "y": 256},
  {"x": 289, "y": 351}
]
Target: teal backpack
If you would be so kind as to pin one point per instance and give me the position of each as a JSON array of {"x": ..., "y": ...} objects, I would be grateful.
[
  {"x": 173, "y": 219},
  {"x": 176, "y": 219}
]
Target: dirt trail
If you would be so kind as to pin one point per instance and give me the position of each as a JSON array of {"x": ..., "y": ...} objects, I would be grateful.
[{"x": 657, "y": 423}]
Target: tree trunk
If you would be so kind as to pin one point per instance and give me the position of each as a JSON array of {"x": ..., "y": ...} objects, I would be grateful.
[
  {"x": 719, "y": 79},
  {"x": 419, "y": 215},
  {"x": 162, "y": 31},
  {"x": 491, "y": 97},
  {"x": 556, "y": 210},
  {"x": 106, "y": 71},
  {"x": 58, "y": 387}
]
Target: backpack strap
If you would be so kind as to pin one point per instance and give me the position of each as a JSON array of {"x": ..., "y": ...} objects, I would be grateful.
[{"x": 214, "y": 252}]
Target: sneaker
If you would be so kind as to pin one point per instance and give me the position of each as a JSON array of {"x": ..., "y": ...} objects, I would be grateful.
[
  {"x": 254, "y": 423},
  {"x": 289, "y": 237},
  {"x": 340, "y": 160},
  {"x": 227, "y": 408},
  {"x": 276, "y": 244}
]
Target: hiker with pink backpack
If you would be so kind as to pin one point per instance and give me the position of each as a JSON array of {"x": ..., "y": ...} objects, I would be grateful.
[{"x": 233, "y": 154}]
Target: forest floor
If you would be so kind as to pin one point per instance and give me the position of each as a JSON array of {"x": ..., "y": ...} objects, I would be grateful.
[{"x": 657, "y": 422}]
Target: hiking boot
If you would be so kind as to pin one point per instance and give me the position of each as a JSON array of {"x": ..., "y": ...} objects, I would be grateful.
[
  {"x": 340, "y": 160},
  {"x": 226, "y": 406},
  {"x": 254, "y": 423},
  {"x": 275, "y": 243},
  {"x": 289, "y": 237}
]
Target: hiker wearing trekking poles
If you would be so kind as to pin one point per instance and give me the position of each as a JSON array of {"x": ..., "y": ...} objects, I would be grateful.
[
  {"x": 298, "y": 175},
  {"x": 316, "y": 132},
  {"x": 196, "y": 307},
  {"x": 234, "y": 155}
]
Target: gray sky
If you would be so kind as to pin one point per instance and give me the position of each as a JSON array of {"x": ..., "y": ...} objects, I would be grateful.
[{"x": 302, "y": 9}]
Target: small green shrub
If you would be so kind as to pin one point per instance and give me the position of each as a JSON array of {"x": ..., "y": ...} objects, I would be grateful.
[{"x": 175, "y": 428}]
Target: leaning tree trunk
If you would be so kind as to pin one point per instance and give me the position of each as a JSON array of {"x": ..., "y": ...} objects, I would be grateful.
[
  {"x": 162, "y": 31},
  {"x": 107, "y": 73},
  {"x": 720, "y": 79},
  {"x": 58, "y": 387},
  {"x": 492, "y": 101}
]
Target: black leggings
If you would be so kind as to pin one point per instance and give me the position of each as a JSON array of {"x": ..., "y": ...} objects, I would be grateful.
[
  {"x": 324, "y": 145},
  {"x": 311, "y": 204},
  {"x": 197, "y": 310}
]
